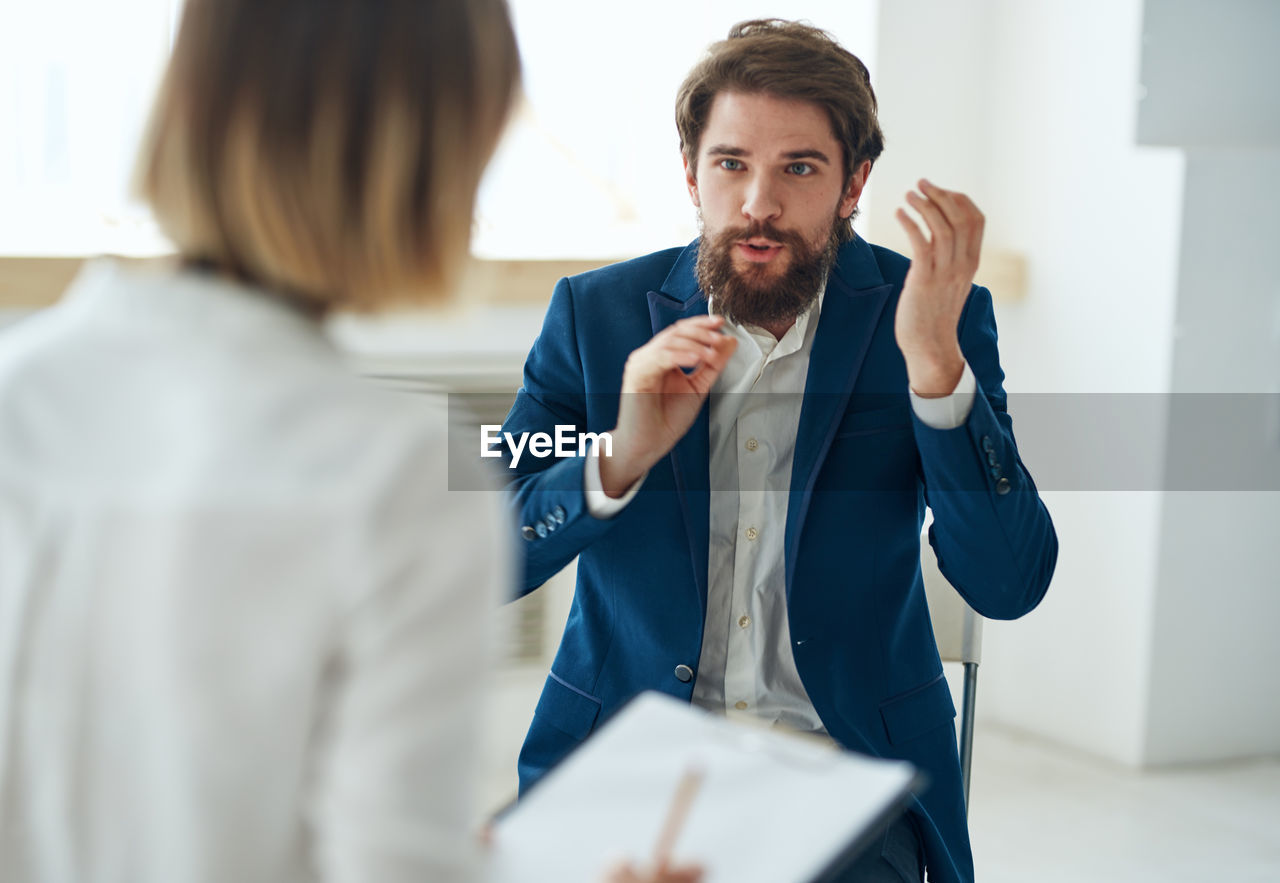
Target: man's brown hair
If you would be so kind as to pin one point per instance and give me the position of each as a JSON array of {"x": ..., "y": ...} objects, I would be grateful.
[
  {"x": 331, "y": 151},
  {"x": 785, "y": 59}
]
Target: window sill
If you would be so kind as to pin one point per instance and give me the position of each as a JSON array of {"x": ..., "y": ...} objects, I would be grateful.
[{"x": 33, "y": 282}]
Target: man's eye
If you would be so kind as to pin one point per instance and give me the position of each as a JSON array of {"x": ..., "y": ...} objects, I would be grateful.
[
  {"x": 731, "y": 165},
  {"x": 800, "y": 168}
]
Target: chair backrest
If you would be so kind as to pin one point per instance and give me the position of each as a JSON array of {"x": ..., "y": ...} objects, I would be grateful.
[{"x": 957, "y": 629}]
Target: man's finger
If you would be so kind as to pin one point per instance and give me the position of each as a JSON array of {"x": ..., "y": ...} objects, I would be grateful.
[
  {"x": 709, "y": 321},
  {"x": 950, "y": 202},
  {"x": 678, "y": 355},
  {"x": 919, "y": 245},
  {"x": 713, "y": 366},
  {"x": 941, "y": 233},
  {"x": 965, "y": 218},
  {"x": 648, "y": 364},
  {"x": 717, "y": 355},
  {"x": 695, "y": 334},
  {"x": 973, "y": 250}
]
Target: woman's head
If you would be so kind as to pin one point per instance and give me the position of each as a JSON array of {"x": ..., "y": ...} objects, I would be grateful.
[{"x": 330, "y": 149}]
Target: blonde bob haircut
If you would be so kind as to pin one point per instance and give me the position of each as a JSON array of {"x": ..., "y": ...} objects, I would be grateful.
[{"x": 330, "y": 150}]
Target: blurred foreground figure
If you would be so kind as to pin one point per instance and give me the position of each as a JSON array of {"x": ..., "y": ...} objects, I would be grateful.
[{"x": 242, "y": 618}]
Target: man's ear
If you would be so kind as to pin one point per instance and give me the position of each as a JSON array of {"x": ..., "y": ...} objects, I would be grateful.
[
  {"x": 691, "y": 180},
  {"x": 849, "y": 201}
]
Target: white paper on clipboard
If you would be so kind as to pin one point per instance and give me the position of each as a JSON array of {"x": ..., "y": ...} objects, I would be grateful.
[{"x": 772, "y": 808}]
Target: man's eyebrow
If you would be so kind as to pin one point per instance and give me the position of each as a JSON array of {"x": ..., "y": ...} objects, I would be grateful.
[
  {"x": 808, "y": 153},
  {"x": 790, "y": 156}
]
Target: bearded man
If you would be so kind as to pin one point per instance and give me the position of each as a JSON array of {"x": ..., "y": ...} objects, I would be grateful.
[{"x": 791, "y": 399}]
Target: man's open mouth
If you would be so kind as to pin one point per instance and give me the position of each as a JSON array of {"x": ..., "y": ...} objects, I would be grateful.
[{"x": 759, "y": 251}]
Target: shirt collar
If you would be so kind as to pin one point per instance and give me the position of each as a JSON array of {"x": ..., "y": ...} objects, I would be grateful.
[{"x": 796, "y": 338}]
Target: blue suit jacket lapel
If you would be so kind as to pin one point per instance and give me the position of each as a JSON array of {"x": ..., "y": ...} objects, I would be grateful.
[
  {"x": 855, "y": 298},
  {"x": 680, "y": 298}
]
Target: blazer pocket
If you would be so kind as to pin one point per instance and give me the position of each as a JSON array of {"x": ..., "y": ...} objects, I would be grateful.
[
  {"x": 918, "y": 711},
  {"x": 568, "y": 709},
  {"x": 893, "y": 419}
]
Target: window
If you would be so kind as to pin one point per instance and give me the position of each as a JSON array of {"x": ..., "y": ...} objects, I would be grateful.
[
  {"x": 76, "y": 82},
  {"x": 590, "y": 167}
]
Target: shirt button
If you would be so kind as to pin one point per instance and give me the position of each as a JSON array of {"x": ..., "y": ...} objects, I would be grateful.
[
  {"x": 752, "y": 444},
  {"x": 741, "y": 706},
  {"x": 752, "y": 533},
  {"x": 744, "y": 621}
]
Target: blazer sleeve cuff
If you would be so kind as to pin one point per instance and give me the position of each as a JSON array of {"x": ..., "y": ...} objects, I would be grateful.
[{"x": 947, "y": 412}]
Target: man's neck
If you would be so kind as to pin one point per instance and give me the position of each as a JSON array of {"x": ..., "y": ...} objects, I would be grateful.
[{"x": 777, "y": 329}]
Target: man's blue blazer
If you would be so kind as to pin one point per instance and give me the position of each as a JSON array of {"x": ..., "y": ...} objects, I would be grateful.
[{"x": 864, "y": 469}]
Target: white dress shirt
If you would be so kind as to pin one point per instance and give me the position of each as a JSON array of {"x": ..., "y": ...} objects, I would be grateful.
[
  {"x": 746, "y": 664},
  {"x": 241, "y": 614}
]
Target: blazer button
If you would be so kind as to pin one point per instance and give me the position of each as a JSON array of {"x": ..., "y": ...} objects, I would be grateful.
[
  {"x": 559, "y": 514},
  {"x": 551, "y": 524},
  {"x": 987, "y": 445},
  {"x": 684, "y": 674},
  {"x": 540, "y": 529},
  {"x": 1003, "y": 487},
  {"x": 528, "y": 532}
]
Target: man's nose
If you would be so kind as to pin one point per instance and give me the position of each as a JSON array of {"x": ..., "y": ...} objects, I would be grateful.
[{"x": 761, "y": 202}]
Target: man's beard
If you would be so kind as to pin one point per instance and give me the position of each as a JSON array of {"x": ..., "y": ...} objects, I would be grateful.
[{"x": 756, "y": 294}]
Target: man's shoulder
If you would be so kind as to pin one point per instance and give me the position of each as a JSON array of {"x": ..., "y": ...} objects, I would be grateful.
[
  {"x": 863, "y": 265},
  {"x": 643, "y": 274},
  {"x": 893, "y": 266}
]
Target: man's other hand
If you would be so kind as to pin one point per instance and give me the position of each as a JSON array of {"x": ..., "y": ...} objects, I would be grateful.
[
  {"x": 660, "y": 400},
  {"x": 937, "y": 285}
]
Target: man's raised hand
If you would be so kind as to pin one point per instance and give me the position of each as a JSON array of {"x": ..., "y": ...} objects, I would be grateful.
[
  {"x": 936, "y": 287},
  {"x": 659, "y": 400}
]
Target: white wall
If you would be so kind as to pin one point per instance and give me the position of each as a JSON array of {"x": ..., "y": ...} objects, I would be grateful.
[
  {"x": 1031, "y": 107},
  {"x": 931, "y": 110},
  {"x": 1210, "y": 72},
  {"x": 1131, "y": 152},
  {"x": 1211, "y": 67}
]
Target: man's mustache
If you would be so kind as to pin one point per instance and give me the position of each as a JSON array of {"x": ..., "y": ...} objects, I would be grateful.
[{"x": 762, "y": 230}]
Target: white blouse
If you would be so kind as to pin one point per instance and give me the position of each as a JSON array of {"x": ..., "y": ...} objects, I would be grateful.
[{"x": 242, "y": 614}]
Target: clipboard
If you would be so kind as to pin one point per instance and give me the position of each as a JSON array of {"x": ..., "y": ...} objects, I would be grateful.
[{"x": 772, "y": 808}]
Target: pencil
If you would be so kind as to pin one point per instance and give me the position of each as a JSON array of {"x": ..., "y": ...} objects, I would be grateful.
[{"x": 685, "y": 792}]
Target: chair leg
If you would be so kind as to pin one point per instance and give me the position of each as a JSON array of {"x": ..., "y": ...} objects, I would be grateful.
[{"x": 966, "y": 726}]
